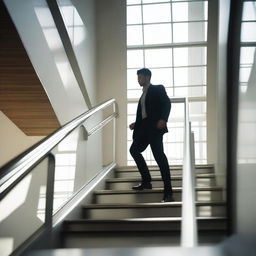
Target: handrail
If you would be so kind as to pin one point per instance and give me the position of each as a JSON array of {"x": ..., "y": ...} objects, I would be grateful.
[
  {"x": 174, "y": 99},
  {"x": 188, "y": 225},
  {"x": 12, "y": 172}
]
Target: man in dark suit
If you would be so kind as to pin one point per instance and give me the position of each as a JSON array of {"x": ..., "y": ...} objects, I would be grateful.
[{"x": 152, "y": 114}]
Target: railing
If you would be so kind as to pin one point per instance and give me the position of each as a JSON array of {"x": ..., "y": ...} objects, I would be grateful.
[
  {"x": 188, "y": 224},
  {"x": 22, "y": 166},
  {"x": 34, "y": 172}
]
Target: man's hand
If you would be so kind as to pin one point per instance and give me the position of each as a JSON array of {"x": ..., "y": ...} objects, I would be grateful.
[
  {"x": 161, "y": 124},
  {"x": 132, "y": 126}
]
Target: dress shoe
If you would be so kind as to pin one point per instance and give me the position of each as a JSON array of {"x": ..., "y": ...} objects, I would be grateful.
[
  {"x": 142, "y": 186},
  {"x": 168, "y": 198}
]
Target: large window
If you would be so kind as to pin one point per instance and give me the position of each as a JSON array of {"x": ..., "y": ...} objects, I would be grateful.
[
  {"x": 247, "y": 82},
  {"x": 170, "y": 38}
]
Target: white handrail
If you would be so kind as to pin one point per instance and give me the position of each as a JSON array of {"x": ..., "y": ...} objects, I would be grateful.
[
  {"x": 11, "y": 172},
  {"x": 188, "y": 225}
]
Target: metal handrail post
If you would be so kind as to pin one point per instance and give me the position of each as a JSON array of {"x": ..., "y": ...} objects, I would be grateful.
[
  {"x": 50, "y": 191},
  {"x": 188, "y": 224},
  {"x": 114, "y": 134}
]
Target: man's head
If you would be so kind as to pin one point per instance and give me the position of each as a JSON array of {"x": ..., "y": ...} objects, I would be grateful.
[{"x": 144, "y": 76}]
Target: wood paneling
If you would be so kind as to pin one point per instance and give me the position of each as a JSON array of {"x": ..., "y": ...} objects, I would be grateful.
[{"x": 22, "y": 97}]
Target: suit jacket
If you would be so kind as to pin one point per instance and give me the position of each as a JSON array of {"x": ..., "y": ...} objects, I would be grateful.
[{"x": 158, "y": 106}]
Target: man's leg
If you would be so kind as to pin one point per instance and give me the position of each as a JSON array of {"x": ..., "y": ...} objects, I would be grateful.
[
  {"x": 156, "y": 144},
  {"x": 138, "y": 146}
]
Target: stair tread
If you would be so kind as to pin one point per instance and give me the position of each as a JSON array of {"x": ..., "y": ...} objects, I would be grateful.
[
  {"x": 155, "y": 167},
  {"x": 155, "y": 224},
  {"x": 156, "y": 178},
  {"x": 154, "y": 190},
  {"x": 149, "y": 219},
  {"x": 148, "y": 205}
]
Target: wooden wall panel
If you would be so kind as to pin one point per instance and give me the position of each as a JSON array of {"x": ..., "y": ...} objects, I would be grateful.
[{"x": 22, "y": 97}]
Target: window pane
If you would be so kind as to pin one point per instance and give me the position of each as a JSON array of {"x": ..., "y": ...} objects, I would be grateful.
[
  {"x": 130, "y": 119},
  {"x": 134, "y": 15},
  {"x": 176, "y": 151},
  {"x": 189, "y": 56},
  {"x": 247, "y": 55},
  {"x": 132, "y": 108},
  {"x": 198, "y": 91},
  {"x": 133, "y": 2},
  {"x": 156, "y": 13},
  {"x": 132, "y": 82},
  {"x": 169, "y": 91},
  {"x": 158, "y": 58},
  {"x": 245, "y": 74},
  {"x": 177, "y": 112},
  {"x": 176, "y": 135},
  {"x": 134, "y": 35},
  {"x": 158, "y": 34},
  {"x": 153, "y": 1},
  {"x": 189, "y": 76},
  {"x": 162, "y": 76},
  {"x": 134, "y": 94},
  {"x": 135, "y": 58},
  {"x": 249, "y": 11},
  {"x": 190, "y": 32},
  {"x": 248, "y": 32},
  {"x": 189, "y": 11},
  {"x": 180, "y": 32},
  {"x": 200, "y": 151},
  {"x": 199, "y": 133},
  {"x": 197, "y": 108}
]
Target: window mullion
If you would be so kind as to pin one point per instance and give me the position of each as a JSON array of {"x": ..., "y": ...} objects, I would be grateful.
[
  {"x": 143, "y": 34},
  {"x": 173, "y": 76}
]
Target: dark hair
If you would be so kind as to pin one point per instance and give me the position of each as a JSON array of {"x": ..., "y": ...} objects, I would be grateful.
[{"x": 144, "y": 71}]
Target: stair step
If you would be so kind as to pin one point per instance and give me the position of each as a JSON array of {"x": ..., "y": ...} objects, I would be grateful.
[
  {"x": 202, "y": 180},
  {"x": 147, "y": 210},
  {"x": 174, "y": 167},
  {"x": 122, "y": 172},
  {"x": 167, "y": 224},
  {"x": 149, "y": 251},
  {"x": 138, "y": 232},
  {"x": 154, "y": 195}
]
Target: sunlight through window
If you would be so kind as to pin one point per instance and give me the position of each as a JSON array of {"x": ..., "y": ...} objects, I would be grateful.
[{"x": 170, "y": 38}]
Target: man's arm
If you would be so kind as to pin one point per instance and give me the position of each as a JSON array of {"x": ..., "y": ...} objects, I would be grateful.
[{"x": 165, "y": 102}]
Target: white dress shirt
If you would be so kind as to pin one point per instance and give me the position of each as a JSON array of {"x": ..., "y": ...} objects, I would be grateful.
[{"x": 142, "y": 101}]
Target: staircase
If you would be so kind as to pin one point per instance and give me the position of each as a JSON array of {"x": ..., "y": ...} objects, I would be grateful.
[{"x": 122, "y": 217}]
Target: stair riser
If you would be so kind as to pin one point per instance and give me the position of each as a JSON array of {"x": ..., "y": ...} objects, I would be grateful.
[
  {"x": 153, "y": 197},
  {"x": 200, "y": 182},
  {"x": 172, "y": 211},
  {"x": 130, "y": 174},
  {"x": 112, "y": 240},
  {"x": 134, "y": 226},
  {"x": 120, "y": 239}
]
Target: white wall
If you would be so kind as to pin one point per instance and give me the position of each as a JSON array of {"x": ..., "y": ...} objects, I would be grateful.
[
  {"x": 41, "y": 40},
  {"x": 223, "y": 19},
  {"x": 111, "y": 65},
  {"x": 212, "y": 65},
  {"x": 246, "y": 158},
  {"x": 216, "y": 90},
  {"x": 13, "y": 140},
  {"x": 80, "y": 158},
  {"x": 85, "y": 51}
]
